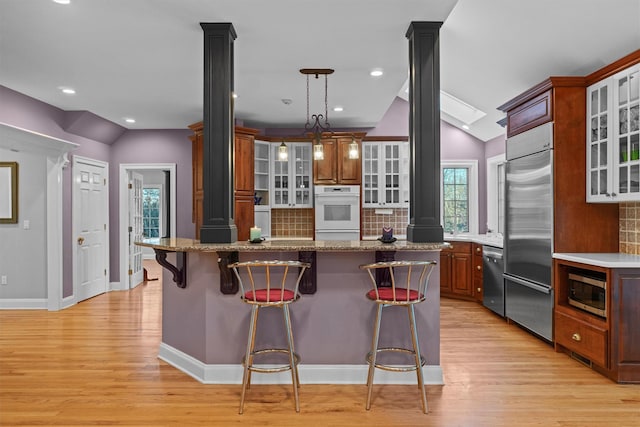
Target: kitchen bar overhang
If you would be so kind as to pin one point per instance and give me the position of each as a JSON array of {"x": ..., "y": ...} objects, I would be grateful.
[{"x": 307, "y": 249}]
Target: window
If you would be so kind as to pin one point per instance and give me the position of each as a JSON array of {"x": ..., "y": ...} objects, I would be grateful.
[
  {"x": 459, "y": 200},
  {"x": 495, "y": 193},
  {"x": 151, "y": 211}
]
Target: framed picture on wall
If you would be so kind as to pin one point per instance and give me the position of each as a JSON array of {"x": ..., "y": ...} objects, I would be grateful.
[{"x": 8, "y": 192}]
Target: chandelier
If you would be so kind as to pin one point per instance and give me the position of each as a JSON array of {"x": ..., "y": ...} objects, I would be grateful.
[{"x": 320, "y": 123}]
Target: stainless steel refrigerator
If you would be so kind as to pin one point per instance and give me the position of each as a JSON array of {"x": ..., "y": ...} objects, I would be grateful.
[{"x": 528, "y": 244}]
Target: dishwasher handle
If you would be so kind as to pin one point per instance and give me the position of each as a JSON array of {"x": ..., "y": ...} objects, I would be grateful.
[{"x": 491, "y": 252}]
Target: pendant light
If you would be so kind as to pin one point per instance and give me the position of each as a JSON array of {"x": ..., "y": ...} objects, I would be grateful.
[
  {"x": 283, "y": 152},
  {"x": 319, "y": 126},
  {"x": 353, "y": 149}
]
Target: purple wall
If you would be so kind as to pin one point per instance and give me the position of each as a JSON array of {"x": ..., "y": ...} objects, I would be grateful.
[
  {"x": 495, "y": 146},
  {"x": 157, "y": 146},
  {"x": 151, "y": 146}
]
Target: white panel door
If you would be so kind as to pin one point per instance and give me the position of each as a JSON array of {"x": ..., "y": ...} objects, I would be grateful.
[
  {"x": 90, "y": 207},
  {"x": 136, "y": 272}
]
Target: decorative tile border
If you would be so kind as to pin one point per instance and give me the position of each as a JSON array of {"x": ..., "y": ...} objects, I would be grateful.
[{"x": 629, "y": 228}]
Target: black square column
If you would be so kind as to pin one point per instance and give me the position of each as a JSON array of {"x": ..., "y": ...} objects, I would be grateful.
[
  {"x": 424, "y": 132},
  {"x": 218, "y": 156}
]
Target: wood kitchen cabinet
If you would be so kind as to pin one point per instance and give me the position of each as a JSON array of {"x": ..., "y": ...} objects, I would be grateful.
[
  {"x": 609, "y": 344},
  {"x": 337, "y": 167},
  {"x": 243, "y": 178},
  {"x": 455, "y": 271},
  {"x": 477, "y": 279}
]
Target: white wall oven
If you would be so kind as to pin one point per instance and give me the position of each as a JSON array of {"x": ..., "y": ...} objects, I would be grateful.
[{"x": 337, "y": 212}]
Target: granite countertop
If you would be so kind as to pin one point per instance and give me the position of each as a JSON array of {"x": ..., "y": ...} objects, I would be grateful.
[
  {"x": 190, "y": 245},
  {"x": 607, "y": 260},
  {"x": 482, "y": 239}
]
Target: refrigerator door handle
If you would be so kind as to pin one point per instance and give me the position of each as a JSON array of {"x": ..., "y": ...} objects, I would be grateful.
[{"x": 535, "y": 287}]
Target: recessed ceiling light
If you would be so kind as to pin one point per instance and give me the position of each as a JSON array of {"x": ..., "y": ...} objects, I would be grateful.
[
  {"x": 130, "y": 120},
  {"x": 376, "y": 73},
  {"x": 465, "y": 127},
  {"x": 234, "y": 95},
  {"x": 62, "y": 1},
  {"x": 68, "y": 90},
  {"x": 338, "y": 108}
]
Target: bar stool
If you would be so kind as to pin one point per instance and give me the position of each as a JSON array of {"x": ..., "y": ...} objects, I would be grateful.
[
  {"x": 275, "y": 289},
  {"x": 389, "y": 291}
]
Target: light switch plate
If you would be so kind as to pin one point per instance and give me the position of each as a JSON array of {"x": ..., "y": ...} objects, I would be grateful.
[
  {"x": 26, "y": 224},
  {"x": 3, "y": 280}
]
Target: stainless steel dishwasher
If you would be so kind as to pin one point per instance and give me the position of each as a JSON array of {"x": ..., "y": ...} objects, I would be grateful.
[{"x": 493, "y": 281}]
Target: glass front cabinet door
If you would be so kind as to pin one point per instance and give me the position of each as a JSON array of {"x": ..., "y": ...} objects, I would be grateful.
[
  {"x": 385, "y": 173},
  {"x": 613, "y": 138},
  {"x": 292, "y": 181}
]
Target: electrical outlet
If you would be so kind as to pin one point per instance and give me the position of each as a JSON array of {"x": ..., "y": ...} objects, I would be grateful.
[{"x": 3, "y": 280}]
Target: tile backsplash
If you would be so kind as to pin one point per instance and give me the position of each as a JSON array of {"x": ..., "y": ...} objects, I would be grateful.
[
  {"x": 372, "y": 222},
  {"x": 629, "y": 228},
  {"x": 292, "y": 223}
]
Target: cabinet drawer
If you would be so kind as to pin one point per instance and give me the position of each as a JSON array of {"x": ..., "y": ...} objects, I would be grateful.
[{"x": 583, "y": 338}]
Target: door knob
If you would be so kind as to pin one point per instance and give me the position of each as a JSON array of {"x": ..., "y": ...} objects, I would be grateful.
[{"x": 80, "y": 240}]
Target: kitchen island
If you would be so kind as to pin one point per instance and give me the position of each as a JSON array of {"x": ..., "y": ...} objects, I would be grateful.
[{"x": 204, "y": 323}]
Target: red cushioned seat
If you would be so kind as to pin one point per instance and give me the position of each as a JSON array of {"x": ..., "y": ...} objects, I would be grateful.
[
  {"x": 386, "y": 294},
  {"x": 273, "y": 295}
]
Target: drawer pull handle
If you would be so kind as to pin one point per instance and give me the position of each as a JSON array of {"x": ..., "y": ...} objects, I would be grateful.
[{"x": 576, "y": 337}]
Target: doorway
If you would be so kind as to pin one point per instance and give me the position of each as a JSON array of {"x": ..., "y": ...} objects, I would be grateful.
[{"x": 159, "y": 175}]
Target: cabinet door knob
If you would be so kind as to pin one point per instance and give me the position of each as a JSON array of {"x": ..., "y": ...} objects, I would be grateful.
[
  {"x": 478, "y": 290},
  {"x": 478, "y": 249},
  {"x": 80, "y": 240},
  {"x": 479, "y": 267},
  {"x": 576, "y": 337}
]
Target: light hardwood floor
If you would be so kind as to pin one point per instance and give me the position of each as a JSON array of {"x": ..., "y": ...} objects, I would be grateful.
[{"x": 95, "y": 363}]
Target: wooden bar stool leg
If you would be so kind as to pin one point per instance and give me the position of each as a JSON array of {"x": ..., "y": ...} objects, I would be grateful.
[
  {"x": 373, "y": 354},
  {"x": 248, "y": 358},
  {"x": 418, "y": 357},
  {"x": 292, "y": 357}
]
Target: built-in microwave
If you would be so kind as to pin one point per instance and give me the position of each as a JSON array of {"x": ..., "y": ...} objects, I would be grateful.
[{"x": 588, "y": 293}]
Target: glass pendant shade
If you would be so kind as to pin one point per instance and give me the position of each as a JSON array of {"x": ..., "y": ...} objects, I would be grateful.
[
  {"x": 318, "y": 151},
  {"x": 283, "y": 152},
  {"x": 353, "y": 150}
]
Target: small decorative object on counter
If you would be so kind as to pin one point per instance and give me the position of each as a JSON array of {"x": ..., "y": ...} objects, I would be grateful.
[
  {"x": 387, "y": 235},
  {"x": 255, "y": 234}
]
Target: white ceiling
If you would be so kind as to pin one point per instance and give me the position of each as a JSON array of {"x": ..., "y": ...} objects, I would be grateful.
[{"x": 143, "y": 58}]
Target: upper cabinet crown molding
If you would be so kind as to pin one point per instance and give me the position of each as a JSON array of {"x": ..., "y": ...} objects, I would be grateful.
[{"x": 613, "y": 68}]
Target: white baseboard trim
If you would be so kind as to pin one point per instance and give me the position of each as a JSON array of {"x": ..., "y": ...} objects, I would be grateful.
[
  {"x": 68, "y": 302},
  {"x": 23, "y": 304},
  {"x": 117, "y": 286},
  {"x": 309, "y": 374}
]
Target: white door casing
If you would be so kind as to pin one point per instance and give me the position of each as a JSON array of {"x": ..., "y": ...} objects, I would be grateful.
[
  {"x": 123, "y": 200},
  {"x": 135, "y": 229},
  {"x": 90, "y": 230}
]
